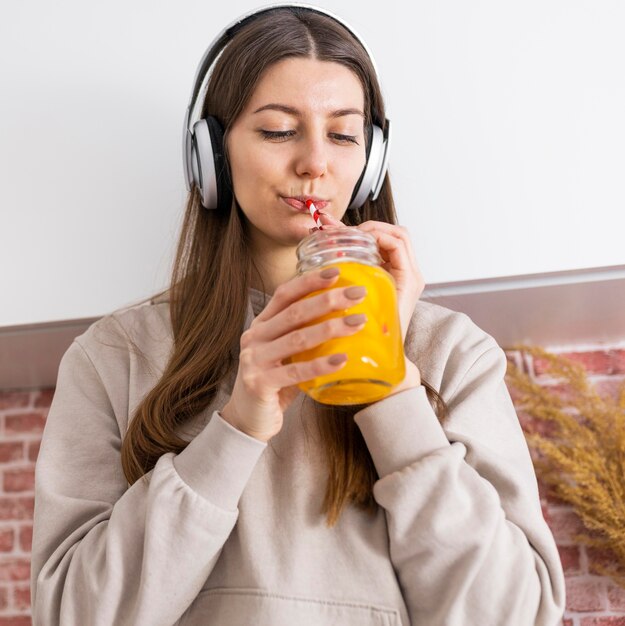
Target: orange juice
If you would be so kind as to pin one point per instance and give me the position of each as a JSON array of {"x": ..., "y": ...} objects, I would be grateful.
[{"x": 375, "y": 354}]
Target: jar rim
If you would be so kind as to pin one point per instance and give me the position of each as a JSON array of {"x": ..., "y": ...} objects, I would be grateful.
[
  {"x": 349, "y": 243},
  {"x": 344, "y": 235}
]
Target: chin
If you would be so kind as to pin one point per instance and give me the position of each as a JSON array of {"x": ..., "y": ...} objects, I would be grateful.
[{"x": 299, "y": 232}]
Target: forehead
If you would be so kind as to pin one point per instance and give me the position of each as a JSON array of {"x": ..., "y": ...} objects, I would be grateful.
[{"x": 308, "y": 84}]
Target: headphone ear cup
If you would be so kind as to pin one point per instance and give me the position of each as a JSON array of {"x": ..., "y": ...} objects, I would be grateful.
[
  {"x": 372, "y": 171},
  {"x": 222, "y": 169},
  {"x": 210, "y": 172}
]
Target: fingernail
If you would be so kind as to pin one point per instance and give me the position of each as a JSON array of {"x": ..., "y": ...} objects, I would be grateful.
[
  {"x": 355, "y": 320},
  {"x": 330, "y": 272},
  {"x": 337, "y": 359},
  {"x": 353, "y": 293}
]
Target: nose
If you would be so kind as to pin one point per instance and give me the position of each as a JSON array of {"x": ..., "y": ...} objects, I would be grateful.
[{"x": 312, "y": 158}]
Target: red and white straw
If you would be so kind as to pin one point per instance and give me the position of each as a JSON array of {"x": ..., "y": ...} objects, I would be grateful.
[{"x": 314, "y": 212}]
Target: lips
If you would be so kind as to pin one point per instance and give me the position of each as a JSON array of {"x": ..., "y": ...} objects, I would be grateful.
[{"x": 301, "y": 206}]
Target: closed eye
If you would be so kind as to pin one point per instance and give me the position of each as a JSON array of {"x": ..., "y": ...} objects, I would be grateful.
[{"x": 284, "y": 135}]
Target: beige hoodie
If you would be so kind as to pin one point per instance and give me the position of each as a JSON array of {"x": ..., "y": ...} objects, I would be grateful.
[{"x": 230, "y": 531}]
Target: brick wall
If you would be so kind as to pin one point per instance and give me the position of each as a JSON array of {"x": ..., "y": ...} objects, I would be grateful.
[
  {"x": 592, "y": 600},
  {"x": 22, "y": 417}
]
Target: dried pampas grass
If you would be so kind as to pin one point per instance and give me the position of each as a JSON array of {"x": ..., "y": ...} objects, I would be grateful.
[{"x": 580, "y": 456}]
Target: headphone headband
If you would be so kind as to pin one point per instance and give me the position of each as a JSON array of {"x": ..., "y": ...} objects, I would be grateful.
[{"x": 227, "y": 33}]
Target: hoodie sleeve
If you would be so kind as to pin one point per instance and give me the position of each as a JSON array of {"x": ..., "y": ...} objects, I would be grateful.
[
  {"x": 468, "y": 540},
  {"x": 105, "y": 553}
]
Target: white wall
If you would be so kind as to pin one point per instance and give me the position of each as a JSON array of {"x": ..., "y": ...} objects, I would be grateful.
[{"x": 508, "y": 145}]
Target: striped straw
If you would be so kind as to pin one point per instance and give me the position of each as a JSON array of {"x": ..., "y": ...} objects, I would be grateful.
[{"x": 314, "y": 213}]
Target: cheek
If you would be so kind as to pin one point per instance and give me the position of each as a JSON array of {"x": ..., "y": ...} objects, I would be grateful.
[
  {"x": 351, "y": 169},
  {"x": 246, "y": 170},
  {"x": 258, "y": 180},
  {"x": 258, "y": 165}
]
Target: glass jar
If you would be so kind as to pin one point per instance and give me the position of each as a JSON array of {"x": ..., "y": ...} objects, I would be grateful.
[{"x": 375, "y": 354}]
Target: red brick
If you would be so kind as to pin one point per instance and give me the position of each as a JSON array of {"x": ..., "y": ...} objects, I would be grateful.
[
  {"x": 17, "y": 480},
  {"x": 585, "y": 594},
  {"x": 26, "y": 538},
  {"x": 17, "y": 620},
  {"x": 16, "y": 508},
  {"x": 616, "y": 597},
  {"x": 44, "y": 398},
  {"x": 21, "y": 597},
  {"x": 11, "y": 451},
  {"x": 33, "y": 450},
  {"x": 4, "y": 598},
  {"x": 565, "y": 524},
  {"x": 599, "y": 362},
  {"x": 7, "y": 539},
  {"x": 14, "y": 569},
  {"x": 594, "y": 361},
  {"x": 618, "y": 361},
  {"x": 14, "y": 399},
  {"x": 567, "y": 622},
  {"x": 601, "y": 558},
  {"x": 29, "y": 423},
  {"x": 570, "y": 559},
  {"x": 610, "y": 388},
  {"x": 594, "y": 621},
  {"x": 540, "y": 366},
  {"x": 564, "y": 392}
]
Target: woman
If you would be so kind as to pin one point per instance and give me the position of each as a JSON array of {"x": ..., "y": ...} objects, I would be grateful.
[{"x": 183, "y": 478}]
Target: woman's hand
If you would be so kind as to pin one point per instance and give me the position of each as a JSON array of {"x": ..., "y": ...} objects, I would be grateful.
[
  {"x": 265, "y": 386},
  {"x": 399, "y": 261}
]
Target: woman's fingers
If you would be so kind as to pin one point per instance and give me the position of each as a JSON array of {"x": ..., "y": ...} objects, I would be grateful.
[
  {"x": 302, "y": 339},
  {"x": 393, "y": 242},
  {"x": 306, "y": 311},
  {"x": 307, "y": 370},
  {"x": 328, "y": 220},
  {"x": 272, "y": 338},
  {"x": 393, "y": 230},
  {"x": 399, "y": 260},
  {"x": 295, "y": 289},
  {"x": 374, "y": 227},
  {"x": 398, "y": 256}
]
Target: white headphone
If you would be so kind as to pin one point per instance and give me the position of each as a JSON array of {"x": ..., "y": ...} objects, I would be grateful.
[{"x": 204, "y": 160}]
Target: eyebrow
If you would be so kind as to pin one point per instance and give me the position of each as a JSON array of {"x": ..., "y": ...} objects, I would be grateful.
[{"x": 293, "y": 111}]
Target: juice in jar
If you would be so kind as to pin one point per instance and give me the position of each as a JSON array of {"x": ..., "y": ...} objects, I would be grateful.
[{"x": 375, "y": 354}]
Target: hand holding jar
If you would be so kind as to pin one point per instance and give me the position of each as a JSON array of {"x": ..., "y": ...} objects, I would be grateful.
[
  {"x": 266, "y": 381},
  {"x": 294, "y": 343},
  {"x": 376, "y": 362},
  {"x": 399, "y": 260}
]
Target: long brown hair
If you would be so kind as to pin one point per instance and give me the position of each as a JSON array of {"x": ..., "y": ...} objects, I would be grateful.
[{"x": 213, "y": 267}]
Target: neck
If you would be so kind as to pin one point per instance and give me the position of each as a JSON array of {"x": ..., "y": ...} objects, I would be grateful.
[{"x": 274, "y": 268}]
